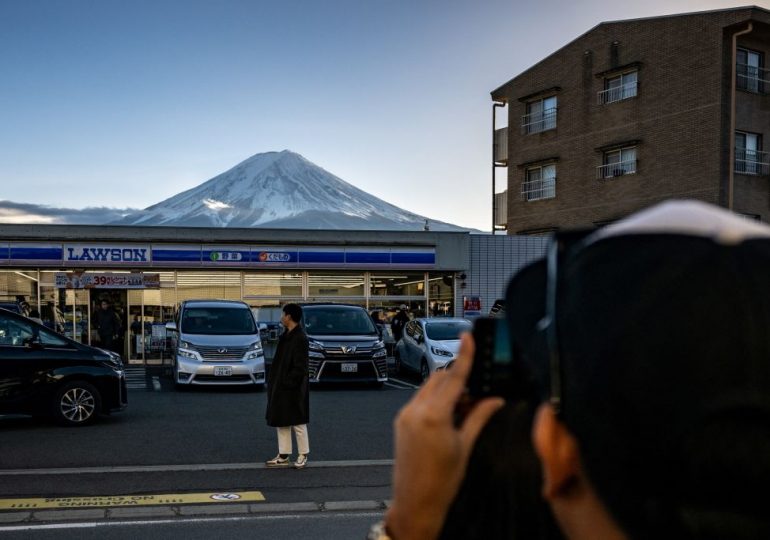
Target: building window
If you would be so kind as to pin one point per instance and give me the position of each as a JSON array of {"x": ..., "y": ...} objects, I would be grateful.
[
  {"x": 749, "y": 158},
  {"x": 541, "y": 116},
  {"x": 617, "y": 163},
  {"x": 539, "y": 183},
  {"x": 618, "y": 88},
  {"x": 749, "y": 71}
]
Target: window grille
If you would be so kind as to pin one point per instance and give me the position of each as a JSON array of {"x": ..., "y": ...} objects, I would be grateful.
[
  {"x": 540, "y": 183},
  {"x": 618, "y": 88},
  {"x": 617, "y": 163},
  {"x": 541, "y": 116}
]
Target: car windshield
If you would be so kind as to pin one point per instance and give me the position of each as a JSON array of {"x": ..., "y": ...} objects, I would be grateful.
[
  {"x": 218, "y": 321},
  {"x": 445, "y": 331},
  {"x": 333, "y": 320}
]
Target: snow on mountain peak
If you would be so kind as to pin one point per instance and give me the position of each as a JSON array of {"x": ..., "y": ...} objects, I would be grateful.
[{"x": 283, "y": 190}]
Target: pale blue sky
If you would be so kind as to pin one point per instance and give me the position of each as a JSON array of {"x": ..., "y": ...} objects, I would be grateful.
[{"x": 125, "y": 103}]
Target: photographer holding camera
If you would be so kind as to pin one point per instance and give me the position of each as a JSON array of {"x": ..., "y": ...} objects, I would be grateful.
[{"x": 648, "y": 341}]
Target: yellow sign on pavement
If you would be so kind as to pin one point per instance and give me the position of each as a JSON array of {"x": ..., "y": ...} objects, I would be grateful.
[{"x": 131, "y": 500}]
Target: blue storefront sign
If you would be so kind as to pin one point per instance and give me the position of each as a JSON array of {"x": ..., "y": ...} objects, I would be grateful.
[{"x": 84, "y": 255}]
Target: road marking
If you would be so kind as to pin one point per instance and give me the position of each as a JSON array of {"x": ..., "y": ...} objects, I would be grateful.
[
  {"x": 405, "y": 383},
  {"x": 189, "y": 468},
  {"x": 130, "y": 500}
]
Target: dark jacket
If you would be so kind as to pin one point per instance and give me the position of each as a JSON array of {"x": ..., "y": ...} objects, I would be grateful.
[
  {"x": 107, "y": 323},
  {"x": 398, "y": 323},
  {"x": 288, "y": 396}
]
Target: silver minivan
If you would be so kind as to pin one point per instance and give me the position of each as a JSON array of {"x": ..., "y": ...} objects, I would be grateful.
[{"x": 217, "y": 343}]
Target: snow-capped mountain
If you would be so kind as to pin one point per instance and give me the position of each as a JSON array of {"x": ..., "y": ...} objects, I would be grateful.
[{"x": 280, "y": 190}]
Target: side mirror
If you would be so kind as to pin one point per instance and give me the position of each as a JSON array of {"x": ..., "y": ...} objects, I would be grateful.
[{"x": 171, "y": 326}]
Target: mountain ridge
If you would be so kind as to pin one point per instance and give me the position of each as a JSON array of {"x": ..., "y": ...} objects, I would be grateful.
[{"x": 280, "y": 190}]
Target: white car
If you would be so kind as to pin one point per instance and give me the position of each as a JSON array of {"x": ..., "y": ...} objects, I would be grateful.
[
  {"x": 217, "y": 342},
  {"x": 429, "y": 344}
]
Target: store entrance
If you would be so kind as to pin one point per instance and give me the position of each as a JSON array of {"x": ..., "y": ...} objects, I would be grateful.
[{"x": 109, "y": 323}]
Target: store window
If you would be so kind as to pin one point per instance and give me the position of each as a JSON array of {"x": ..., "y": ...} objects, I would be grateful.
[
  {"x": 218, "y": 285},
  {"x": 397, "y": 284},
  {"x": 335, "y": 284},
  {"x": 272, "y": 284},
  {"x": 441, "y": 294}
]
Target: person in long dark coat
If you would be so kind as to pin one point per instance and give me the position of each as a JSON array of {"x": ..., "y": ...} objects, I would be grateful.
[{"x": 288, "y": 396}]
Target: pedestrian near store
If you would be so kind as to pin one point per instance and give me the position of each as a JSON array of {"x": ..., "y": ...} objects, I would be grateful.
[
  {"x": 399, "y": 321},
  {"x": 288, "y": 396},
  {"x": 107, "y": 325}
]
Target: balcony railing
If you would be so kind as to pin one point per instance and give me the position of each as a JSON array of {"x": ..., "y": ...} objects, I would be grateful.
[
  {"x": 501, "y": 146},
  {"x": 611, "y": 170},
  {"x": 752, "y": 78},
  {"x": 535, "y": 190},
  {"x": 618, "y": 93},
  {"x": 538, "y": 121},
  {"x": 752, "y": 162}
]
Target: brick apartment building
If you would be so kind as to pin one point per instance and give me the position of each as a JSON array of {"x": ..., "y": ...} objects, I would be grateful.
[{"x": 634, "y": 112}]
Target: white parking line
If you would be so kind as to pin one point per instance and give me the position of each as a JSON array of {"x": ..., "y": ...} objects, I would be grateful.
[{"x": 404, "y": 383}]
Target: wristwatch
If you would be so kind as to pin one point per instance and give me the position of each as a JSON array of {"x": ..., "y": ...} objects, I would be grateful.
[{"x": 379, "y": 532}]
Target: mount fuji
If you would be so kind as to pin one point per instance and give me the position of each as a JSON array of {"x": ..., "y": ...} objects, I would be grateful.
[{"x": 280, "y": 190}]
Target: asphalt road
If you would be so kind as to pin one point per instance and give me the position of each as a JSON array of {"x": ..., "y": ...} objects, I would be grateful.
[
  {"x": 319, "y": 526},
  {"x": 205, "y": 440}
]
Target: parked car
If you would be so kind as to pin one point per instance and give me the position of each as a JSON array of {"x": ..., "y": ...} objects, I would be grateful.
[
  {"x": 45, "y": 373},
  {"x": 345, "y": 344},
  {"x": 216, "y": 342},
  {"x": 429, "y": 344},
  {"x": 15, "y": 306}
]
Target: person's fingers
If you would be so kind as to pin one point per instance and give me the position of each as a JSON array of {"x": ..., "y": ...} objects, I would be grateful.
[
  {"x": 453, "y": 385},
  {"x": 476, "y": 419}
]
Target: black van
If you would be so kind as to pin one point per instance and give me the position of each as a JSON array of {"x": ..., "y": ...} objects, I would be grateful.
[
  {"x": 45, "y": 373},
  {"x": 345, "y": 344}
]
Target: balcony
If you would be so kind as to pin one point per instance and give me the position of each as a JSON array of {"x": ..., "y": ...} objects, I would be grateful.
[
  {"x": 752, "y": 78},
  {"x": 501, "y": 147},
  {"x": 620, "y": 168},
  {"x": 535, "y": 190},
  {"x": 501, "y": 209},
  {"x": 752, "y": 162},
  {"x": 538, "y": 121},
  {"x": 618, "y": 93}
]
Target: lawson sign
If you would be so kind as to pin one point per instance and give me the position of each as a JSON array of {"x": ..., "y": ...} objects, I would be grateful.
[{"x": 107, "y": 253}]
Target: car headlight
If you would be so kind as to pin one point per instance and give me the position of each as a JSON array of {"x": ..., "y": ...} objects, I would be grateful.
[
  {"x": 440, "y": 352},
  {"x": 379, "y": 345},
  {"x": 380, "y": 353},
  {"x": 187, "y": 350},
  {"x": 255, "y": 350},
  {"x": 187, "y": 354},
  {"x": 315, "y": 346}
]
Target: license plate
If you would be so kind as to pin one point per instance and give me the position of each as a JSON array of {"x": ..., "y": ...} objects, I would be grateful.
[
  {"x": 223, "y": 371},
  {"x": 349, "y": 368}
]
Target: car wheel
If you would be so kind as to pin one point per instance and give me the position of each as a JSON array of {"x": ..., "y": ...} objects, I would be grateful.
[
  {"x": 76, "y": 403},
  {"x": 424, "y": 370}
]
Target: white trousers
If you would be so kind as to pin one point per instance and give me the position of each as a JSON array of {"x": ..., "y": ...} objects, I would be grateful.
[{"x": 284, "y": 439}]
